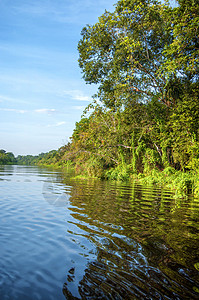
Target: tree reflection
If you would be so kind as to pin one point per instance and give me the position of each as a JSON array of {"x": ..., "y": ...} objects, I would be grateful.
[{"x": 145, "y": 244}]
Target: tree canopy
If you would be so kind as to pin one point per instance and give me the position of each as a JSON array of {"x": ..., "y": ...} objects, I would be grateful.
[
  {"x": 142, "y": 50},
  {"x": 144, "y": 59}
]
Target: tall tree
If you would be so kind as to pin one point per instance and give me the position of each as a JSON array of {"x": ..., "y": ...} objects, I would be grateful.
[
  {"x": 123, "y": 52},
  {"x": 144, "y": 58},
  {"x": 182, "y": 55}
]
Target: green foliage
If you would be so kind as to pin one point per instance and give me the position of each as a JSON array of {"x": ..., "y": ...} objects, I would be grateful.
[
  {"x": 181, "y": 183},
  {"x": 143, "y": 56},
  {"x": 121, "y": 173},
  {"x": 7, "y": 158},
  {"x": 169, "y": 171},
  {"x": 53, "y": 158},
  {"x": 183, "y": 53},
  {"x": 144, "y": 59},
  {"x": 123, "y": 52},
  {"x": 150, "y": 160},
  {"x": 93, "y": 167}
]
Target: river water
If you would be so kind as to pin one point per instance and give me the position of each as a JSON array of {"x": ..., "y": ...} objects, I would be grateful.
[{"x": 63, "y": 238}]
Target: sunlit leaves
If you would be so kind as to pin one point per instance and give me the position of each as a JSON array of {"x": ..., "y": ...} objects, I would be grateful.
[
  {"x": 182, "y": 55},
  {"x": 123, "y": 52}
]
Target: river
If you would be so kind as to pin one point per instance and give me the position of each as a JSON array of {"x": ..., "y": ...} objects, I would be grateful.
[{"x": 66, "y": 238}]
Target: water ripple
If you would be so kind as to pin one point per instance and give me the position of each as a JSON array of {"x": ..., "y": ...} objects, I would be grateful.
[{"x": 63, "y": 238}]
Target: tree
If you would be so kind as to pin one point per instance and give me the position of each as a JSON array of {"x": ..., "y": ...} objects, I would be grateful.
[
  {"x": 182, "y": 55},
  {"x": 6, "y": 158},
  {"x": 123, "y": 52}
]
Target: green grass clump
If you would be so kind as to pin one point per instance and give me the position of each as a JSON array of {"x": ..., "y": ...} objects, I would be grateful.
[
  {"x": 182, "y": 183},
  {"x": 121, "y": 173}
]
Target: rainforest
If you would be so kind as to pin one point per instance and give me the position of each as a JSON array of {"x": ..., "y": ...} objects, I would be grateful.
[{"x": 143, "y": 123}]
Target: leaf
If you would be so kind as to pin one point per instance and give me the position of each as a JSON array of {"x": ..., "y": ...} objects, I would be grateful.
[{"x": 196, "y": 265}]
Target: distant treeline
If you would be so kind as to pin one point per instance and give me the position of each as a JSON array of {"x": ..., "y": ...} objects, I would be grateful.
[
  {"x": 52, "y": 157},
  {"x": 7, "y": 158},
  {"x": 40, "y": 159}
]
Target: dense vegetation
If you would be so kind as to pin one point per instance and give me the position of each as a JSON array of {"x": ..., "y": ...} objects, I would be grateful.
[
  {"x": 53, "y": 158},
  {"x": 144, "y": 57},
  {"x": 35, "y": 159},
  {"x": 144, "y": 120},
  {"x": 7, "y": 158}
]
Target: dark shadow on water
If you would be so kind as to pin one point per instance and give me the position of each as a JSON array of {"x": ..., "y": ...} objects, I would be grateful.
[
  {"x": 130, "y": 276},
  {"x": 146, "y": 244}
]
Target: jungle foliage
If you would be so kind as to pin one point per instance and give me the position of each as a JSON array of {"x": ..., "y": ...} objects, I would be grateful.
[
  {"x": 144, "y": 57},
  {"x": 7, "y": 158},
  {"x": 144, "y": 119},
  {"x": 53, "y": 157}
]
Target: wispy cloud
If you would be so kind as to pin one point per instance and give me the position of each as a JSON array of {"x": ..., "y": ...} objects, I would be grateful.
[
  {"x": 47, "y": 9},
  {"x": 60, "y": 123},
  {"x": 4, "y": 98},
  {"x": 20, "y": 111},
  {"x": 34, "y": 8},
  {"x": 70, "y": 12},
  {"x": 57, "y": 124},
  {"x": 45, "y": 111},
  {"x": 79, "y": 107},
  {"x": 77, "y": 95},
  {"x": 39, "y": 111}
]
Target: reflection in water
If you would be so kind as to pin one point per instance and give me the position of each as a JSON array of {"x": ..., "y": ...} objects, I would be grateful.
[
  {"x": 146, "y": 243},
  {"x": 85, "y": 239}
]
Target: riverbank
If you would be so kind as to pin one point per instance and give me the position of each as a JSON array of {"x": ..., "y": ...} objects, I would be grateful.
[{"x": 181, "y": 183}]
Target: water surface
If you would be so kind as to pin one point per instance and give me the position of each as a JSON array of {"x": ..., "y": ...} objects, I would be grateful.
[{"x": 86, "y": 239}]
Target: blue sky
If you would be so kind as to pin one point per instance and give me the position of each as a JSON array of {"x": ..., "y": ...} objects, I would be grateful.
[{"x": 42, "y": 93}]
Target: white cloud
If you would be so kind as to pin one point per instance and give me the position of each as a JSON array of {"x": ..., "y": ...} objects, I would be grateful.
[
  {"x": 20, "y": 111},
  {"x": 39, "y": 111},
  {"x": 60, "y": 123},
  {"x": 77, "y": 95},
  {"x": 79, "y": 107},
  {"x": 45, "y": 110},
  {"x": 4, "y": 98},
  {"x": 56, "y": 124},
  {"x": 9, "y": 99}
]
